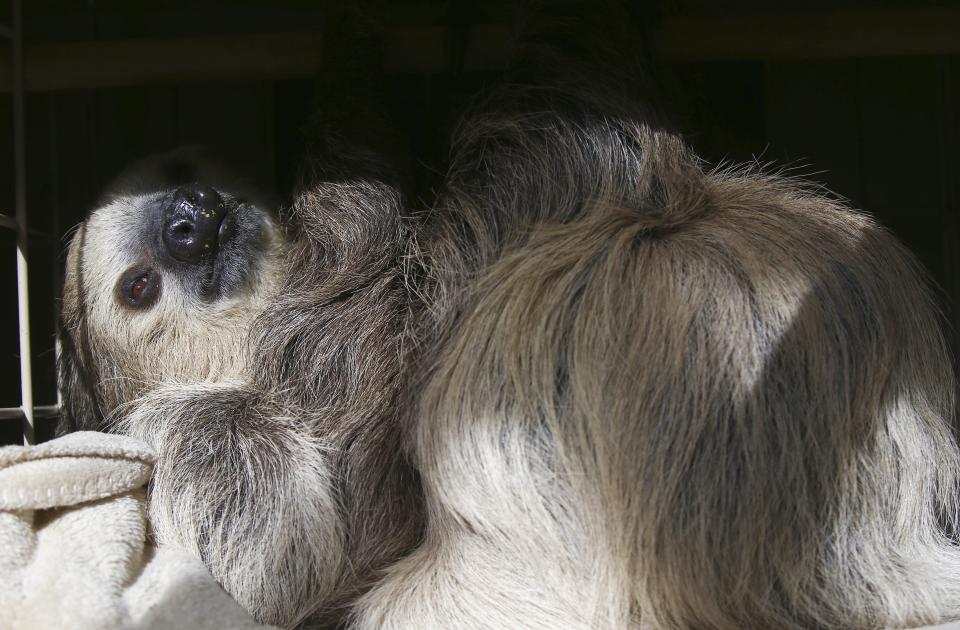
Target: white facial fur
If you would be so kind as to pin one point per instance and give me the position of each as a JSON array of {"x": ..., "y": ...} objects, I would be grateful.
[{"x": 181, "y": 337}]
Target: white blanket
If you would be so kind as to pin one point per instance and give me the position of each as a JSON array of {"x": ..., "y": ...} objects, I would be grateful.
[{"x": 73, "y": 544}]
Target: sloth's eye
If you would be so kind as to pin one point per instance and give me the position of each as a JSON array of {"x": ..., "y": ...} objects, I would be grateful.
[{"x": 138, "y": 288}]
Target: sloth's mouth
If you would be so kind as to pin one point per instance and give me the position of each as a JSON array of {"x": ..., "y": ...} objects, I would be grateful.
[{"x": 239, "y": 247}]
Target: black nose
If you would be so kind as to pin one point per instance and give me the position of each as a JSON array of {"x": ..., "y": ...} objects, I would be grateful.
[{"x": 191, "y": 221}]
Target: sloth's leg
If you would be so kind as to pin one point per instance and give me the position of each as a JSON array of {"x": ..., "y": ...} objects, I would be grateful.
[{"x": 664, "y": 396}]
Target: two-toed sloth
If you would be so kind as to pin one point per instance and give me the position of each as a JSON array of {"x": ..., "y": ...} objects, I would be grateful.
[{"x": 596, "y": 385}]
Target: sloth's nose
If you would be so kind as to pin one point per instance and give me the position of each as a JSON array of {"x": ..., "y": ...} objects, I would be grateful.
[{"x": 191, "y": 222}]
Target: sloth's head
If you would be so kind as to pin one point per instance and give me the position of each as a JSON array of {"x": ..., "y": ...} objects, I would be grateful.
[{"x": 162, "y": 283}]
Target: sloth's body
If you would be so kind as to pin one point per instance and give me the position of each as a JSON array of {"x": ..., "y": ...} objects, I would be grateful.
[{"x": 595, "y": 387}]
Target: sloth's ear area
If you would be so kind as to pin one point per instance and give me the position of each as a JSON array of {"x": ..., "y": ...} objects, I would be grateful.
[{"x": 79, "y": 410}]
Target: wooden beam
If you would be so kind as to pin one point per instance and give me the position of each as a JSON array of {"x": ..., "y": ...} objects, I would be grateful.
[
  {"x": 270, "y": 56},
  {"x": 866, "y": 33},
  {"x": 150, "y": 61}
]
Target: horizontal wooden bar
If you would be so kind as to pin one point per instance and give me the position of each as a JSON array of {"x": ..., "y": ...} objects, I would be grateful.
[
  {"x": 864, "y": 33},
  {"x": 8, "y": 222},
  {"x": 46, "y": 412},
  {"x": 150, "y": 61},
  {"x": 39, "y": 412},
  {"x": 11, "y": 413},
  {"x": 269, "y": 56},
  {"x": 272, "y": 56}
]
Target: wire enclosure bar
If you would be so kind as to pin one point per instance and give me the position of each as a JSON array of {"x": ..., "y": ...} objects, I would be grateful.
[
  {"x": 20, "y": 204},
  {"x": 39, "y": 412}
]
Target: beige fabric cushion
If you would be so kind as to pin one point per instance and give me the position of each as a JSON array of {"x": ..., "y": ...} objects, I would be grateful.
[{"x": 73, "y": 544}]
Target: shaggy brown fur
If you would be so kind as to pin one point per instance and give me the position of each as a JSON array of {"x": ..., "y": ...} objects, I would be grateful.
[{"x": 639, "y": 392}]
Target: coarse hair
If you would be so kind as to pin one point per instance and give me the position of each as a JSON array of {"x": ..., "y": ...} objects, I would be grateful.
[
  {"x": 597, "y": 384},
  {"x": 671, "y": 397}
]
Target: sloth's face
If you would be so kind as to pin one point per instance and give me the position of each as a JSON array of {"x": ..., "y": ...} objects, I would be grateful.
[{"x": 163, "y": 283}]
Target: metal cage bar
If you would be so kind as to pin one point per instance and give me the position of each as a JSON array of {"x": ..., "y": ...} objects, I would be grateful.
[
  {"x": 25, "y": 413},
  {"x": 20, "y": 203}
]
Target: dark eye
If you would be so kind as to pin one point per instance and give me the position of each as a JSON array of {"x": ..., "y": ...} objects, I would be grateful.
[{"x": 138, "y": 288}]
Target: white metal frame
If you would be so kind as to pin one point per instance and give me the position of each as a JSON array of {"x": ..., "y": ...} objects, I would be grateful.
[{"x": 18, "y": 223}]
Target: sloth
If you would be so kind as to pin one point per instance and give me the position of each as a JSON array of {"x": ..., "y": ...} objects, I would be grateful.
[{"x": 597, "y": 384}]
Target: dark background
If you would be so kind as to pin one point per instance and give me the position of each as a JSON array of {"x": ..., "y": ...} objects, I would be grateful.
[{"x": 863, "y": 97}]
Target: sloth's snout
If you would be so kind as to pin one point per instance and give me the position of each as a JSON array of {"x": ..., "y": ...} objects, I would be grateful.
[{"x": 191, "y": 222}]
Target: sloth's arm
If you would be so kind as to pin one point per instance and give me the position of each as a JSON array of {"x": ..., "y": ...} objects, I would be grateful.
[
  {"x": 350, "y": 135},
  {"x": 241, "y": 484},
  {"x": 334, "y": 341},
  {"x": 352, "y": 179}
]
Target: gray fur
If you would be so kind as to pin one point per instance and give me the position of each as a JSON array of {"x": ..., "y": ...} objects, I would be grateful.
[
  {"x": 675, "y": 398},
  {"x": 640, "y": 392}
]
